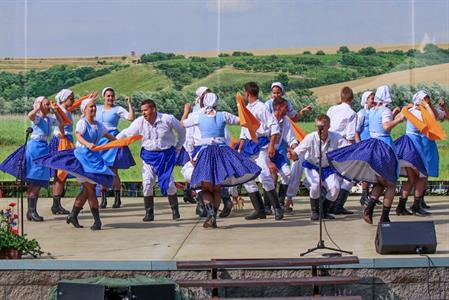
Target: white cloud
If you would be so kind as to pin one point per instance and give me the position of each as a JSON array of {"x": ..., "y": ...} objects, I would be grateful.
[{"x": 223, "y": 6}]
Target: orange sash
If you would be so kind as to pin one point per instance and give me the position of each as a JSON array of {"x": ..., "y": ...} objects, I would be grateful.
[
  {"x": 118, "y": 143},
  {"x": 298, "y": 131},
  {"x": 247, "y": 119},
  {"x": 429, "y": 126},
  {"x": 61, "y": 113},
  {"x": 78, "y": 102},
  {"x": 64, "y": 144}
]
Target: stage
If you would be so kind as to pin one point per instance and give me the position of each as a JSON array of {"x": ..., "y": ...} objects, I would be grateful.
[{"x": 124, "y": 237}]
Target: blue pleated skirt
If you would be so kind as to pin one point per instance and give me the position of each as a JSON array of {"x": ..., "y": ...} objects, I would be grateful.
[
  {"x": 431, "y": 156},
  {"x": 34, "y": 174},
  {"x": 366, "y": 160},
  {"x": 54, "y": 144},
  {"x": 410, "y": 152},
  {"x": 118, "y": 158},
  {"x": 182, "y": 158},
  {"x": 221, "y": 165},
  {"x": 81, "y": 163}
]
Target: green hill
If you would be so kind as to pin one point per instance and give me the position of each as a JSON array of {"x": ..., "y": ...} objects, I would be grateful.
[{"x": 126, "y": 81}]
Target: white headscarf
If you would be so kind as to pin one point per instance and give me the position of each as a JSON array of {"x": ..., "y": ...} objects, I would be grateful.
[
  {"x": 37, "y": 102},
  {"x": 382, "y": 95},
  {"x": 84, "y": 104},
  {"x": 365, "y": 96},
  {"x": 199, "y": 92},
  {"x": 279, "y": 85},
  {"x": 108, "y": 88},
  {"x": 419, "y": 96},
  {"x": 63, "y": 95},
  {"x": 210, "y": 101}
]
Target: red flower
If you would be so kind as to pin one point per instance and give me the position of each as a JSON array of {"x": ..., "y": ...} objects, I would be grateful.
[
  {"x": 16, "y": 216},
  {"x": 15, "y": 231},
  {"x": 12, "y": 204}
]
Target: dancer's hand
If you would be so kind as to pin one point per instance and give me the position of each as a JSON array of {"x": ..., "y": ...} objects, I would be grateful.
[{"x": 291, "y": 154}]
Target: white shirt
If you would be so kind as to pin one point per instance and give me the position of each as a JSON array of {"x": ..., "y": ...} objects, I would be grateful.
[
  {"x": 268, "y": 124},
  {"x": 81, "y": 128},
  {"x": 287, "y": 135},
  {"x": 193, "y": 121},
  {"x": 343, "y": 120},
  {"x": 157, "y": 136},
  {"x": 309, "y": 147},
  {"x": 361, "y": 118}
]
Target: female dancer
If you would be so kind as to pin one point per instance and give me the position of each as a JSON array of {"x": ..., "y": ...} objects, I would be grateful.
[
  {"x": 35, "y": 175},
  {"x": 86, "y": 165},
  {"x": 216, "y": 164},
  {"x": 373, "y": 160},
  {"x": 117, "y": 158},
  {"x": 64, "y": 99}
]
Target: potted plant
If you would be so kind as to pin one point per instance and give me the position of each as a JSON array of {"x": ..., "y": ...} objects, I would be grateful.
[{"x": 13, "y": 245}]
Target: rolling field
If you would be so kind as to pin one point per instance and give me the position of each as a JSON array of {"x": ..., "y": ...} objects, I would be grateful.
[
  {"x": 330, "y": 94},
  {"x": 12, "y": 133},
  {"x": 126, "y": 81}
]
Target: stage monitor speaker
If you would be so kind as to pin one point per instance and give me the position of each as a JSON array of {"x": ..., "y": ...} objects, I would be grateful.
[
  {"x": 77, "y": 291},
  {"x": 406, "y": 238}
]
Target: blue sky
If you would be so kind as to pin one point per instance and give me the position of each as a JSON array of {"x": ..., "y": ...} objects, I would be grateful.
[{"x": 98, "y": 27}]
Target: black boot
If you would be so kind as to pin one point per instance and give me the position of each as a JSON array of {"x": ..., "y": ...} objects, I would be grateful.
[
  {"x": 211, "y": 221},
  {"x": 417, "y": 208},
  {"x": 72, "y": 218},
  {"x": 315, "y": 209},
  {"x": 32, "y": 214},
  {"x": 57, "y": 208},
  {"x": 173, "y": 200},
  {"x": 117, "y": 200},
  {"x": 401, "y": 209},
  {"x": 326, "y": 214},
  {"x": 259, "y": 211},
  {"x": 369, "y": 211},
  {"x": 200, "y": 209},
  {"x": 267, "y": 203},
  {"x": 278, "y": 210},
  {"x": 340, "y": 202},
  {"x": 385, "y": 217},
  {"x": 227, "y": 203},
  {"x": 364, "y": 199},
  {"x": 104, "y": 199},
  {"x": 282, "y": 194},
  {"x": 148, "y": 202},
  {"x": 188, "y": 197},
  {"x": 423, "y": 202},
  {"x": 97, "y": 221}
]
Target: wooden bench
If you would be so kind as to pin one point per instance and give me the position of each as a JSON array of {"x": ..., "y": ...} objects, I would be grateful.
[{"x": 315, "y": 280}]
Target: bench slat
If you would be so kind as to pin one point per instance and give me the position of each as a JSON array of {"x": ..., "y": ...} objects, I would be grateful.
[
  {"x": 218, "y": 283},
  {"x": 265, "y": 262},
  {"x": 297, "y": 298}
]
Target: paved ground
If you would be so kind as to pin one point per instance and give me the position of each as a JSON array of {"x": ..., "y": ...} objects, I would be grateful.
[{"x": 126, "y": 237}]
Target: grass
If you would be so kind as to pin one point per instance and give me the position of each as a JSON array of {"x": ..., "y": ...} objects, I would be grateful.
[
  {"x": 12, "y": 132},
  {"x": 126, "y": 81}
]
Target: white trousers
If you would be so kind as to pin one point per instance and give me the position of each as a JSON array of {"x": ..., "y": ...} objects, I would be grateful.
[
  {"x": 331, "y": 184},
  {"x": 295, "y": 178},
  {"x": 265, "y": 177},
  {"x": 149, "y": 180}
]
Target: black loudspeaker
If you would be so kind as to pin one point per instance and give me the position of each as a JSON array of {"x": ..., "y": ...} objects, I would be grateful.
[
  {"x": 83, "y": 291},
  {"x": 406, "y": 238}
]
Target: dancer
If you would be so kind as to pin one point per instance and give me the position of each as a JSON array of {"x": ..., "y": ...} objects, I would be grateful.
[
  {"x": 260, "y": 152},
  {"x": 85, "y": 164},
  {"x": 309, "y": 148},
  {"x": 344, "y": 122},
  {"x": 412, "y": 160},
  {"x": 64, "y": 99},
  {"x": 158, "y": 154},
  {"x": 373, "y": 160},
  {"x": 362, "y": 133},
  {"x": 216, "y": 164},
  {"x": 116, "y": 158},
  {"x": 35, "y": 175}
]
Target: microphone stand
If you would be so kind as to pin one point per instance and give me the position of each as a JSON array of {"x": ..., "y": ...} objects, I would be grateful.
[
  {"x": 21, "y": 177},
  {"x": 320, "y": 245}
]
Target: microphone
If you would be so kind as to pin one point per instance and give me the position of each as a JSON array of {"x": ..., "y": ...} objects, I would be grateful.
[{"x": 29, "y": 130}]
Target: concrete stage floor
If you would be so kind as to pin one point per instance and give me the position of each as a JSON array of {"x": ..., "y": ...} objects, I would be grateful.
[{"x": 125, "y": 237}]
